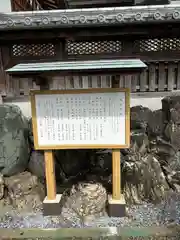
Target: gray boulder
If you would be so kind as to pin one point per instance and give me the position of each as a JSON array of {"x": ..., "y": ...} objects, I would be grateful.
[
  {"x": 30, "y": 133},
  {"x": 172, "y": 134},
  {"x": 163, "y": 150},
  {"x": 37, "y": 164},
  {"x": 155, "y": 124},
  {"x": 14, "y": 147},
  {"x": 171, "y": 109},
  {"x": 140, "y": 116},
  {"x": 171, "y": 119}
]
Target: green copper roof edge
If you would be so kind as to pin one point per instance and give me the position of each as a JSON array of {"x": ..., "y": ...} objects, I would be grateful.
[
  {"x": 78, "y": 65},
  {"x": 87, "y": 61}
]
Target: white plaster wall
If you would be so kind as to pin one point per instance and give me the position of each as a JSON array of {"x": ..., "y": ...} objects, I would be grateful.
[
  {"x": 5, "y": 5},
  {"x": 152, "y": 103}
]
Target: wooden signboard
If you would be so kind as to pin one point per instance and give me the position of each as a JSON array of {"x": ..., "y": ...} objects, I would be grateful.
[{"x": 81, "y": 119}]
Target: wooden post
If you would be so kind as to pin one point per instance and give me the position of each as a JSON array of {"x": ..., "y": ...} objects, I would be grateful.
[
  {"x": 116, "y": 164},
  {"x": 116, "y": 174},
  {"x": 117, "y": 204},
  {"x": 50, "y": 175}
]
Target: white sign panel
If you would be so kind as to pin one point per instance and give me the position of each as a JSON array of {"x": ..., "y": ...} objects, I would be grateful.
[{"x": 81, "y": 119}]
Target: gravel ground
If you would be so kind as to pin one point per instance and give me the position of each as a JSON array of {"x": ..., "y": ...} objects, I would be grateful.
[{"x": 145, "y": 215}]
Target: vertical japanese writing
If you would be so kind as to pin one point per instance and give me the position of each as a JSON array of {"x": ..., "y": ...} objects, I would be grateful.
[{"x": 91, "y": 118}]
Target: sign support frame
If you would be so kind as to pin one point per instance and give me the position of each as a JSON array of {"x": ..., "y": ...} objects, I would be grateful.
[{"x": 50, "y": 175}]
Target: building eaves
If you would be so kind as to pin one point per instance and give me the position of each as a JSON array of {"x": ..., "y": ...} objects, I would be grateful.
[{"x": 90, "y": 17}]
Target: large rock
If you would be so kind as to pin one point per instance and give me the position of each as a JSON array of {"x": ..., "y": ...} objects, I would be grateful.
[
  {"x": 174, "y": 163},
  {"x": 25, "y": 192},
  {"x": 171, "y": 118},
  {"x": 14, "y": 147},
  {"x": 143, "y": 177},
  {"x": 83, "y": 203},
  {"x": 172, "y": 171},
  {"x": 163, "y": 150},
  {"x": 139, "y": 137},
  {"x": 155, "y": 124},
  {"x": 171, "y": 109},
  {"x": 30, "y": 133},
  {"x": 172, "y": 134},
  {"x": 140, "y": 116},
  {"x": 37, "y": 164}
]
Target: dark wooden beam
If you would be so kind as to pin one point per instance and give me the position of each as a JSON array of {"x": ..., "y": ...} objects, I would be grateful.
[
  {"x": 144, "y": 56},
  {"x": 128, "y": 31},
  {"x": 61, "y": 4},
  {"x": 98, "y": 3},
  {"x": 113, "y": 3}
]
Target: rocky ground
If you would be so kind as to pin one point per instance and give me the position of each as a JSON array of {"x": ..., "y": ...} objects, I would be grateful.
[
  {"x": 144, "y": 215},
  {"x": 150, "y": 174}
]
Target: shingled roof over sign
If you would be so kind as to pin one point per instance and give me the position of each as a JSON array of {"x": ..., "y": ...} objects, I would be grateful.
[{"x": 90, "y": 17}]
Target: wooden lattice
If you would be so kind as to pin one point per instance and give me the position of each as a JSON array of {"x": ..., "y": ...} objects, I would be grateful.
[
  {"x": 158, "y": 44},
  {"x": 33, "y": 50},
  {"x": 93, "y": 47}
]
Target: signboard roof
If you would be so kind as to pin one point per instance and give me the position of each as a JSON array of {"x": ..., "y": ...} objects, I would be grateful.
[{"x": 129, "y": 64}]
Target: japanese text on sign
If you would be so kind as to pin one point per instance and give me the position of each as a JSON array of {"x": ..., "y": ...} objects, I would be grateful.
[{"x": 81, "y": 119}]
